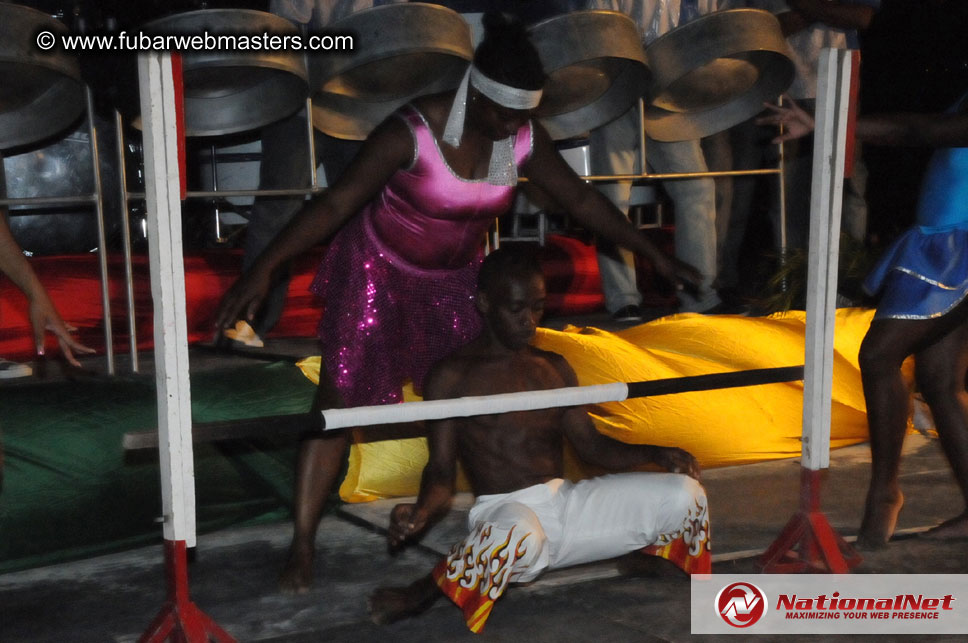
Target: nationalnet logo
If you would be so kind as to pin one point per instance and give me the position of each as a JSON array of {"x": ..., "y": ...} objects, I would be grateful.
[
  {"x": 741, "y": 604},
  {"x": 829, "y": 604},
  {"x": 899, "y": 606}
]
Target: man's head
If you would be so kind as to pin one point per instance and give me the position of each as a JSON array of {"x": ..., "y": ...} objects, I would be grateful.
[{"x": 511, "y": 294}]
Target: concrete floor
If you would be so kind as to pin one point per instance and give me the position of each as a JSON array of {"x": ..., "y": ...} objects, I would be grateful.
[{"x": 232, "y": 577}]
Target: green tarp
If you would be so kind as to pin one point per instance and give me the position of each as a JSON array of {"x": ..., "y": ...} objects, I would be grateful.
[{"x": 70, "y": 490}]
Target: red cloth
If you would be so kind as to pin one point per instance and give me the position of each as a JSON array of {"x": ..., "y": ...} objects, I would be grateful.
[
  {"x": 678, "y": 552},
  {"x": 73, "y": 283}
]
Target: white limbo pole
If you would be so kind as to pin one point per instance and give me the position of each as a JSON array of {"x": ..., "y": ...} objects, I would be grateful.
[
  {"x": 159, "y": 76},
  {"x": 163, "y": 200},
  {"x": 333, "y": 419},
  {"x": 808, "y": 543},
  {"x": 541, "y": 399},
  {"x": 474, "y": 405},
  {"x": 826, "y": 199}
]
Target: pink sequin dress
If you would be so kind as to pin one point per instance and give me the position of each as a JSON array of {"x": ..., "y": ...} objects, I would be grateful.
[{"x": 398, "y": 280}]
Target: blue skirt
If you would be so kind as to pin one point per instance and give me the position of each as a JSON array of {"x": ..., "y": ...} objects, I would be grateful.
[{"x": 923, "y": 275}]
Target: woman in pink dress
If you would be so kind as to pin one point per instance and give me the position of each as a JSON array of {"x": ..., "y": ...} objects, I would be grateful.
[{"x": 409, "y": 216}]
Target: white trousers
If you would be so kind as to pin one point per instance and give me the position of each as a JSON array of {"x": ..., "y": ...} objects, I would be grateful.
[
  {"x": 560, "y": 523},
  {"x": 614, "y": 150}
]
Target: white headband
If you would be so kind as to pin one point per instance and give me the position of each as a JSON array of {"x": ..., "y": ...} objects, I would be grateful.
[
  {"x": 502, "y": 169},
  {"x": 504, "y": 95}
]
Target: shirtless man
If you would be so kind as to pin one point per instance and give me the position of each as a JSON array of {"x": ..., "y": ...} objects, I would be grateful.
[{"x": 527, "y": 518}]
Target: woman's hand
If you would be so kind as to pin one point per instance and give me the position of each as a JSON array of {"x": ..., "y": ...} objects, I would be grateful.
[
  {"x": 795, "y": 121},
  {"x": 678, "y": 273},
  {"x": 242, "y": 300},
  {"x": 44, "y": 317}
]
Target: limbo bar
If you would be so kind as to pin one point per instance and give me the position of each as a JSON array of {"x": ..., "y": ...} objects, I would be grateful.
[
  {"x": 551, "y": 398},
  {"x": 467, "y": 406}
]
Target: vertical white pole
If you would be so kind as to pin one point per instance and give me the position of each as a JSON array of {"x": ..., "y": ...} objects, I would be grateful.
[
  {"x": 163, "y": 200},
  {"x": 833, "y": 93}
]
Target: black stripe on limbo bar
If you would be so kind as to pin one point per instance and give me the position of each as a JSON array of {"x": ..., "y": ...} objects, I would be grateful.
[{"x": 752, "y": 377}]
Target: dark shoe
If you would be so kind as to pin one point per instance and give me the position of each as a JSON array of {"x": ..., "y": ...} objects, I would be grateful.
[{"x": 627, "y": 314}]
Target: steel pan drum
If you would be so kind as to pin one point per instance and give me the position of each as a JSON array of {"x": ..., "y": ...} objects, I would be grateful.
[
  {"x": 400, "y": 51},
  {"x": 41, "y": 92},
  {"x": 596, "y": 70},
  {"x": 236, "y": 90},
  {"x": 62, "y": 168},
  {"x": 715, "y": 72}
]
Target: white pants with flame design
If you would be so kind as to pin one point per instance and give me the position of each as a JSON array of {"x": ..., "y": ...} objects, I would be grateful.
[{"x": 516, "y": 536}]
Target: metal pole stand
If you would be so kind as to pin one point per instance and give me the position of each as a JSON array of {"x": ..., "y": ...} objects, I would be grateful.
[
  {"x": 808, "y": 543},
  {"x": 180, "y": 620}
]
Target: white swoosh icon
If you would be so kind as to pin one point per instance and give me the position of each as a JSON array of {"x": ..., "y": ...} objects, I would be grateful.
[{"x": 740, "y": 606}]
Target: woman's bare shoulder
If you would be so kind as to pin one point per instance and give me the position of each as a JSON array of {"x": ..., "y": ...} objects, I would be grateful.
[{"x": 435, "y": 108}]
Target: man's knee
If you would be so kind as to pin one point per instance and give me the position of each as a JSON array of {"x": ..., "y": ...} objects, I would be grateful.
[
  {"x": 520, "y": 522},
  {"x": 681, "y": 501},
  {"x": 673, "y": 497},
  {"x": 689, "y": 494}
]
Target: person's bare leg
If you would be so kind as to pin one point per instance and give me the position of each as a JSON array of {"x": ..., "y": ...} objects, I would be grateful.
[
  {"x": 888, "y": 399},
  {"x": 390, "y": 604},
  {"x": 887, "y": 344},
  {"x": 316, "y": 470},
  {"x": 941, "y": 372},
  {"x": 317, "y": 467}
]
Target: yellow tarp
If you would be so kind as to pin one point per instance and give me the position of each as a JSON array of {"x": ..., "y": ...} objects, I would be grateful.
[{"x": 720, "y": 427}]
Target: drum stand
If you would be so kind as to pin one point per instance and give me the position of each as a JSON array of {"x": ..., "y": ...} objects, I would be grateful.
[
  {"x": 127, "y": 196},
  {"x": 96, "y": 199}
]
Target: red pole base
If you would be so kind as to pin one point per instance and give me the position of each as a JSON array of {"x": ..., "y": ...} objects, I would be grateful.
[
  {"x": 180, "y": 620},
  {"x": 808, "y": 544}
]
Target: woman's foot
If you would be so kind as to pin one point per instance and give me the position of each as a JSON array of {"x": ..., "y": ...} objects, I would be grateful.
[
  {"x": 297, "y": 575},
  {"x": 880, "y": 517}
]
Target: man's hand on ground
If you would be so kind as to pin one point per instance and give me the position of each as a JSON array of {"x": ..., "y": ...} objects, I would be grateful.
[{"x": 406, "y": 521}]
